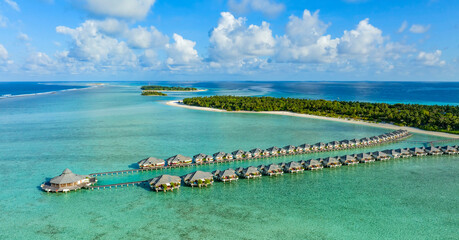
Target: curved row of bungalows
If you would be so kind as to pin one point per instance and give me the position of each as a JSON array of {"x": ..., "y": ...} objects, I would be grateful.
[
  {"x": 330, "y": 162},
  {"x": 68, "y": 181},
  {"x": 311, "y": 164},
  {"x": 198, "y": 179},
  {"x": 227, "y": 175},
  {"x": 165, "y": 183},
  {"x": 248, "y": 172},
  {"x": 151, "y": 162},
  {"x": 271, "y": 170}
]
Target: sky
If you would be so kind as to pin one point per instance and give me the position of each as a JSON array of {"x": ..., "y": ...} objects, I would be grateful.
[{"x": 211, "y": 40}]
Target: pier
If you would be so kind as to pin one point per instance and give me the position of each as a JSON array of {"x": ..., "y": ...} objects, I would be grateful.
[{"x": 127, "y": 184}]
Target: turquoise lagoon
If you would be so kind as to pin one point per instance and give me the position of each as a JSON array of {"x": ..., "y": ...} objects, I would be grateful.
[{"x": 110, "y": 128}]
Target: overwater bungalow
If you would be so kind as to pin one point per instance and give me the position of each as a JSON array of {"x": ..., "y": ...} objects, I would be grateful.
[
  {"x": 274, "y": 151},
  {"x": 272, "y": 170},
  {"x": 238, "y": 154},
  {"x": 293, "y": 167},
  {"x": 330, "y": 162},
  {"x": 329, "y": 146},
  {"x": 165, "y": 183},
  {"x": 247, "y": 155},
  {"x": 218, "y": 156},
  {"x": 198, "y": 179},
  {"x": 418, "y": 152},
  {"x": 227, "y": 175},
  {"x": 335, "y": 144},
  {"x": 199, "y": 158},
  {"x": 151, "y": 162},
  {"x": 289, "y": 149},
  {"x": 344, "y": 144},
  {"x": 265, "y": 153},
  {"x": 354, "y": 142},
  {"x": 348, "y": 160},
  {"x": 319, "y": 146},
  {"x": 404, "y": 152},
  {"x": 179, "y": 160},
  {"x": 228, "y": 156},
  {"x": 312, "y": 164},
  {"x": 449, "y": 150},
  {"x": 365, "y": 158},
  {"x": 380, "y": 156},
  {"x": 256, "y": 152},
  {"x": 365, "y": 141},
  {"x": 250, "y": 172},
  {"x": 392, "y": 152},
  {"x": 68, "y": 181},
  {"x": 433, "y": 151},
  {"x": 305, "y": 147}
]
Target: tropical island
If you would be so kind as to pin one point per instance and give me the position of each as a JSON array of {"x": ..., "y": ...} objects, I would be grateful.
[
  {"x": 428, "y": 117},
  {"x": 165, "y": 88},
  {"x": 152, "y": 93}
]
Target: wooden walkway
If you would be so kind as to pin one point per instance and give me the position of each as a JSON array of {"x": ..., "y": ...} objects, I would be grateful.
[
  {"x": 116, "y": 185},
  {"x": 128, "y": 171}
]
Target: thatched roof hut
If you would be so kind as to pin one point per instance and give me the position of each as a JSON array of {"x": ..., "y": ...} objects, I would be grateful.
[
  {"x": 250, "y": 172},
  {"x": 312, "y": 164},
  {"x": 151, "y": 162},
  {"x": 293, "y": 167},
  {"x": 179, "y": 160},
  {"x": 365, "y": 158},
  {"x": 165, "y": 183},
  {"x": 198, "y": 179},
  {"x": 227, "y": 175},
  {"x": 330, "y": 162}
]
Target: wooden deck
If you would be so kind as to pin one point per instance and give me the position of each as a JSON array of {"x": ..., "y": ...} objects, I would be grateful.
[{"x": 125, "y": 184}]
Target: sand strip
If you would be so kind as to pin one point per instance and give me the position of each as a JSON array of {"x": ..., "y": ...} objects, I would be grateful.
[{"x": 361, "y": 122}]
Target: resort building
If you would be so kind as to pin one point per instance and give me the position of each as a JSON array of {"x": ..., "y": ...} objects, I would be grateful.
[
  {"x": 151, "y": 162},
  {"x": 274, "y": 151},
  {"x": 312, "y": 164},
  {"x": 289, "y": 149},
  {"x": 305, "y": 147},
  {"x": 320, "y": 146},
  {"x": 248, "y": 154},
  {"x": 404, "y": 152},
  {"x": 218, "y": 156},
  {"x": 256, "y": 152},
  {"x": 449, "y": 150},
  {"x": 227, "y": 175},
  {"x": 380, "y": 156},
  {"x": 198, "y": 179},
  {"x": 365, "y": 141},
  {"x": 179, "y": 160},
  {"x": 330, "y": 162},
  {"x": 329, "y": 146},
  {"x": 344, "y": 144},
  {"x": 348, "y": 160},
  {"x": 238, "y": 154},
  {"x": 282, "y": 151},
  {"x": 354, "y": 142},
  {"x": 392, "y": 152},
  {"x": 228, "y": 156},
  {"x": 293, "y": 167},
  {"x": 165, "y": 183},
  {"x": 365, "y": 158},
  {"x": 418, "y": 152},
  {"x": 68, "y": 181},
  {"x": 265, "y": 153},
  {"x": 433, "y": 151},
  {"x": 272, "y": 170},
  {"x": 250, "y": 172},
  {"x": 335, "y": 144},
  {"x": 199, "y": 158}
]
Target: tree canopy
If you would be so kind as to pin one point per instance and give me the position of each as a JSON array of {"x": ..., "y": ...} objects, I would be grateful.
[{"x": 428, "y": 117}]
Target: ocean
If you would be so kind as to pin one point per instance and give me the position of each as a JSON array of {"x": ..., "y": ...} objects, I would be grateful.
[{"x": 111, "y": 127}]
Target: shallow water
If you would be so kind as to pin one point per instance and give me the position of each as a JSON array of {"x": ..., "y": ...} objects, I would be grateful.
[{"x": 110, "y": 128}]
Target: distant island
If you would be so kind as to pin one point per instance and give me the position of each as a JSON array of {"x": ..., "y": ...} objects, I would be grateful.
[
  {"x": 165, "y": 88},
  {"x": 428, "y": 117},
  {"x": 152, "y": 93}
]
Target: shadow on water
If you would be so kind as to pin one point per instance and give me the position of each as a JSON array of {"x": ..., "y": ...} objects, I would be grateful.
[{"x": 134, "y": 166}]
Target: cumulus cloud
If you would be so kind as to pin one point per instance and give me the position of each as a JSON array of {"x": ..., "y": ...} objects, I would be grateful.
[
  {"x": 89, "y": 44},
  {"x": 39, "y": 62},
  {"x": 417, "y": 28},
  {"x": 181, "y": 52},
  {"x": 233, "y": 41},
  {"x": 130, "y": 9},
  {"x": 23, "y": 37},
  {"x": 431, "y": 59},
  {"x": 3, "y": 53},
  {"x": 13, "y": 5},
  {"x": 267, "y": 7},
  {"x": 3, "y": 21},
  {"x": 142, "y": 37}
]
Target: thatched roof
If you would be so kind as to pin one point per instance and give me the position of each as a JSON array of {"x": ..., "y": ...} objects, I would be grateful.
[
  {"x": 194, "y": 176},
  {"x": 150, "y": 161},
  {"x": 164, "y": 179},
  {"x": 67, "y": 176},
  {"x": 292, "y": 164},
  {"x": 178, "y": 158},
  {"x": 311, "y": 162},
  {"x": 250, "y": 170},
  {"x": 227, "y": 173},
  {"x": 238, "y": 152},
  {"x": 219, "y": 154}
]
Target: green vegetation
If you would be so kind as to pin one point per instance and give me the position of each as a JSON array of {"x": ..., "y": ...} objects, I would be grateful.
[
  {"x": 153, "y": 93},
  {"x": 164, "y": 88},
  {"x": 428, "y": 117}
]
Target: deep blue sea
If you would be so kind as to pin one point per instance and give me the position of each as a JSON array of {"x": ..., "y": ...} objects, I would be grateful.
[{"x": 26, "y": 88}]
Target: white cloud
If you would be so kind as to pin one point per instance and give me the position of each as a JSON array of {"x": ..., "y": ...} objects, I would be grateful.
[
  {"x": 3, "y": 53},
  {"x": 39, "y": 62},
  {"x": 89, "y": 44},
  {"x": 181, "y": 52},
  {"x": 267, "y": 7},
  {"x": 23, "y": 37},
  {"x": 431, "y": 59},
  {"x": 131, "y": 9},
  {"x": 3, "y": 21},
  {"x": 13, "y": 5},
  {"x": 417, "y": 28},
  {"x": 141, "y": 37},
  {"x": 403, "y": 27},
  {"x": 231, "y": 40}
]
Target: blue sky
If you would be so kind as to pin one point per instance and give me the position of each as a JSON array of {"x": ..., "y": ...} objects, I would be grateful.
[{"x": 229, "y": 40}]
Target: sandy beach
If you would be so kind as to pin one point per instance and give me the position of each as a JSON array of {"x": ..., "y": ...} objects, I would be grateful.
[{"x": 380, "y": 125}]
